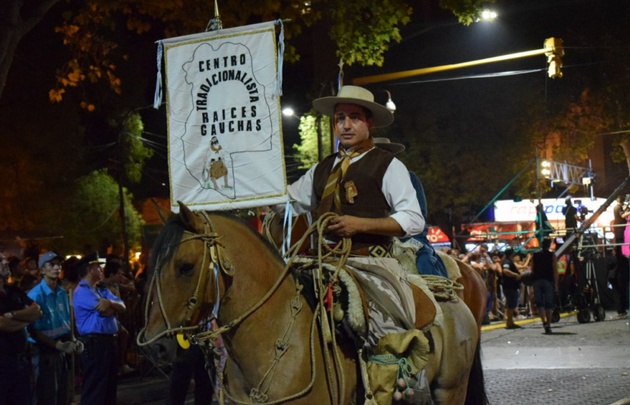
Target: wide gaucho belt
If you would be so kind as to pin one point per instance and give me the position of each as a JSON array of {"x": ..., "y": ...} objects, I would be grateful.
[{"x": 380, "y": 250}]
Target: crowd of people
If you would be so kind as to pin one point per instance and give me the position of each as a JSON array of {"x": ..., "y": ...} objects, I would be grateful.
[
  {"x": 513, "y": 279},
  {"x": 65, "y": 326}
]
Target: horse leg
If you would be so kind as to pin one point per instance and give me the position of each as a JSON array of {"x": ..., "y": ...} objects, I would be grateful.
[
  {"x": 455, "y": 343},
  {"x": 474, "y": 295}
]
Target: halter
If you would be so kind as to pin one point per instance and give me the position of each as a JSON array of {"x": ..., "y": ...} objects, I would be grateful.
[
  {"x": 213, "y": 257},
  {"x": 215, "y": 251}
]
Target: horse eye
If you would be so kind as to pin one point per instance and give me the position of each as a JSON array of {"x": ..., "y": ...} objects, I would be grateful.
[{"x": 186, "y": 269}]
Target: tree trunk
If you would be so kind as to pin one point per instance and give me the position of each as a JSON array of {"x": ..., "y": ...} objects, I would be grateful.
[{"x": 17, "y": 20}]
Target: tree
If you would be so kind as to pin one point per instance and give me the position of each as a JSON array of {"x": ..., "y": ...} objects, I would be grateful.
[
  {"x": 314, "y": 132},
  {"x": 17, "y": 18},
  {"x": 92, "y": 218},
  {"x": 94, "y": 32}
]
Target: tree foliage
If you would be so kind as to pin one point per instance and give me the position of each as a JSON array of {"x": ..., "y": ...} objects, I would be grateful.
[
  {"x": 363, "y": 30},
  {"x": 96, "y": 31},
  {"x": 466, "y": 11},
  {"x": 133, "y": 151},
  {"x": 92, "y": 219},
  {"x": 306, "y": 152}
]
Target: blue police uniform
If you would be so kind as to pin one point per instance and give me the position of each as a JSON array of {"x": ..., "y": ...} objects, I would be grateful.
[{"x": 98, "y": 334}]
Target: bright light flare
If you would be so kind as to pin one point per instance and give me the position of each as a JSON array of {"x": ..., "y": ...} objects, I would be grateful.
[
  {"x": 487, "y": 15},
  {"x": 288, "y": 112}
]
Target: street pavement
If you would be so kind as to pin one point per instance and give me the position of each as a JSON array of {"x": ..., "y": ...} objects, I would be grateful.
[{"x": 577, "y": 364}]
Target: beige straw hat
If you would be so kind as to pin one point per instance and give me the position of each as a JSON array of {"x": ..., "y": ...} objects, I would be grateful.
[{"x": 355, "y": 95}]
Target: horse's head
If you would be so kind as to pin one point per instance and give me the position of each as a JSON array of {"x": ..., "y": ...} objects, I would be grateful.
[
  {"x": 184, "y": 282},
  {"x": 194, "y": 274}
]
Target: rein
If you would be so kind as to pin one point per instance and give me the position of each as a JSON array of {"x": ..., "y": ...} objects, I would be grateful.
[
  {"x": 211, "y": 245},
  {"x": 214, "y": 257}
]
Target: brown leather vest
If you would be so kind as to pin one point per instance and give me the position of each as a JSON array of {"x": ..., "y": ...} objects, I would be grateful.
[{"x": 365, "y": 178}]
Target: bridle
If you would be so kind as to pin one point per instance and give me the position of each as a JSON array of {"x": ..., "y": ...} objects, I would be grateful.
[{"x": 215, "y": 259}]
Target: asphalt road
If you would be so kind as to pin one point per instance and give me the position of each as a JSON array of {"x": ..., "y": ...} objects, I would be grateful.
[{"x": 585, "y": 363}]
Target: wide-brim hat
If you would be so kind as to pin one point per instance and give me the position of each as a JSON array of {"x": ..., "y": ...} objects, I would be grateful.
[
  {"x": 385, "y": 143},
  {"x": 381, "y": 116}
]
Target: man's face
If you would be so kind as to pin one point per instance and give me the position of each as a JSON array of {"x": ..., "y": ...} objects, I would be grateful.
[
  {"x": 352, "y": 126},
  {"x": 51, "y": 270},
  {"x": 97, "y": 272}
]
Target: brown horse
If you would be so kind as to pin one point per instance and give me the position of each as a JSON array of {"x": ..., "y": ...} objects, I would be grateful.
[{"x": 277, "y": 351}]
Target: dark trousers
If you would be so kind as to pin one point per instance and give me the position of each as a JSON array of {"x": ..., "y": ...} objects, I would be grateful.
[
  {"x": 191, "y": 364},
  {"x": 15, "y": 380},
  {"x": 52, "y": 385},
  {"x": 100, "y": 370}
]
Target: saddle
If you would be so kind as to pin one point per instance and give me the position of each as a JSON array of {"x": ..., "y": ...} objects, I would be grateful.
[
  {"x": 359, "y": 291},
  {"x": 425, "y": 310}
]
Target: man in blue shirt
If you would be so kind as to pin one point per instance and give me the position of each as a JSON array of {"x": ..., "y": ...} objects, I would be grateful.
[
  {"x": 95, "y": 310},
  {"x": 52, "y": 335}
]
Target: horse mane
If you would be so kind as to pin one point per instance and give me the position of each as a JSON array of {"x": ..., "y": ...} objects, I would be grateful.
[
  {"x": 170, "y": 236},
  {"x": 166, "y": 243}
]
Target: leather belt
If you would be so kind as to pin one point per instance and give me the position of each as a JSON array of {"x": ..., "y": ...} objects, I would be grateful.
[{"x": 102, "y": 336}]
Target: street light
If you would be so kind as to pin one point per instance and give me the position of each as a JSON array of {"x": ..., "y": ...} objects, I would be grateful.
[
  {"x": 487, "y": 15},
  {"x": 288, "y": 112},
  {"x": 390, "y": 104},
  {"x": 545, "y": 169}
]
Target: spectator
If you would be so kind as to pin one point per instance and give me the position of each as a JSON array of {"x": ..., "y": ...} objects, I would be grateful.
[
  {"x": 95, "y": 309},
  {"x": 618, "y": 279},
  {"x": 511, "y": 286},
  {"x": 543, "y": 226},
  {"x": 17, "y": 271},
  {"x": 118, "y": 283},
  {"x": 52, "y": 335},
  {"x": 70, "y": 274},
  {"x": 27, "y": 282},
  {"x": 570, "y": 216},
  {"x": 191, "y": 364},
  {"x": 619, "y": 221},
  {"x": 545, "y": 271},
  {"x": 17, "y": 311},
  {"x": 522, "y": 263}
]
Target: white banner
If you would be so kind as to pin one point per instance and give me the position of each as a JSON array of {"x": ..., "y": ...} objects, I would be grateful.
[{"x": 225, "y": 141}]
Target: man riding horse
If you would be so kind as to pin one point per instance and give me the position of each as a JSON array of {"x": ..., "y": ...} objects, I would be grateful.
[{"x": 374, "y": 198}]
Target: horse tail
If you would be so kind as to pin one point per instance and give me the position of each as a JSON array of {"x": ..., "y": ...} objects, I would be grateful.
[{"x": 476, "y": 391}]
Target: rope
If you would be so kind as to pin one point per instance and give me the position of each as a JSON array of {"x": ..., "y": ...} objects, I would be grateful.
[
  {"x": 211, "y": 239},
  {"x": 442, "y": 288}
]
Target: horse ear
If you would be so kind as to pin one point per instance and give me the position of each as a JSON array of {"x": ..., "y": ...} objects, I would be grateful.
[
  {"x": 164, "y": 215},
  {"x": 187, "y": 216}
]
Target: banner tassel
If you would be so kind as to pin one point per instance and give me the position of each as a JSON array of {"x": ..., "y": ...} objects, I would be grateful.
[
  {"x": 157, "y": 98},
  {"x": 280, "y": 57},
  {"x": 287, "y": 227}
]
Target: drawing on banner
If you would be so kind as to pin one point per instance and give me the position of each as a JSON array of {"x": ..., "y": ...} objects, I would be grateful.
[{"x": 215, "y": 167}]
